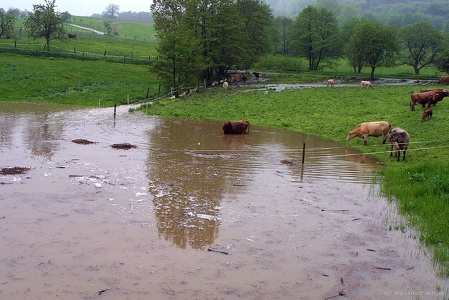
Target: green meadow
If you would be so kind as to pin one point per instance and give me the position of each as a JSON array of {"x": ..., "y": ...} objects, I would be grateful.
[{"x": 419, "y": 185}]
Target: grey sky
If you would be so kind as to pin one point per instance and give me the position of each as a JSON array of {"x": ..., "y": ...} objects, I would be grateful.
[{"x": 81, "y": 7}]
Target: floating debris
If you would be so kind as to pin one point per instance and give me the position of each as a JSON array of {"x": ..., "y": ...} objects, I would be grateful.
[
  {"x": 123, "y": 146},
  {"x": 14, "y": 170},
  {"x": 217, "y": 251},
  {"x": 82, "y": 141},
  {"x": 204, "y": 216}
]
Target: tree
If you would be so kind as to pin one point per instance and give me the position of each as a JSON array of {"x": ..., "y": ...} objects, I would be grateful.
[
  {"x": 283, "y": 44},
  {"x": 15, "y": 12},
  {"x": 66, "y": 17},
  {"x": 442, "y": 62},
  {"x": 257, "y": 23},
  {"x": 314, "y": 35},
  {"x": 373, "y": 45},
  {"x": 45, "y": 22},
  {"x": 111, "y": 27},
  {"x": 111, "y": 11},
  {"x": 199, "y": 39},
  {"x": 6, "y": 25},
  {"x": 423, "y": 43},
  {"x": 353, "y": 53}
]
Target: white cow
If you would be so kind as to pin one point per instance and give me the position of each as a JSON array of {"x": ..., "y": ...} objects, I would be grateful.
[
  {"x": 225, "y": 85},
  {"x": 366, "y": 84}
]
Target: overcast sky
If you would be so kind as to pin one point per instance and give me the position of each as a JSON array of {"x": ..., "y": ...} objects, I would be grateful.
[{"x": 81, "y": 7}]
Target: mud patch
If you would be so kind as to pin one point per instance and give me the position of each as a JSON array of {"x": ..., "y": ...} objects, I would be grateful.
[
  {"x": 14, "y": 170},
  {"x": 82, "y": 142},
  {"x": 123, "y": 146},
  {"x": 289, "y": 163}
]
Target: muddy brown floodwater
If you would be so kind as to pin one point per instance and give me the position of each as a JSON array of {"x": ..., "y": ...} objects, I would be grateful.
[{"x": 142, "y": 207}]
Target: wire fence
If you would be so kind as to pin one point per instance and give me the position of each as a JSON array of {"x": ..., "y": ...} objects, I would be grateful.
[{"x": 78, "y": 55}]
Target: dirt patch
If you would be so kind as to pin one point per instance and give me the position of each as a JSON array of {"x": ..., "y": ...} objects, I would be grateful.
[
  {"x": 14, "y": 170},
  {"x": 123, "y": 146},
  {"x": 82, "y": 142},
  {"x": 288, "y": 163}
]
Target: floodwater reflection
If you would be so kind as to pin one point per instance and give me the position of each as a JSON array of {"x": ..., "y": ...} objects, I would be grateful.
[
  {"x": 138, "y": 223},
  {"x": 192, "y": 165}
]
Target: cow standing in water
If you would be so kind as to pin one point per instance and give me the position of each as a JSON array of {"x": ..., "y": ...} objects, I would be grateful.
[{"x": 236, "y": 127}]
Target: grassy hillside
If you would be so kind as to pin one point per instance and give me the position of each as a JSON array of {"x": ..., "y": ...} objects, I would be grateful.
[
  {"x": 68, "y": 81},
  {"x": 135, "y": 39}
]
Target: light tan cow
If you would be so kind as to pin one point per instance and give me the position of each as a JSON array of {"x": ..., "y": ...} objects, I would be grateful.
[
  {"x": 366, "y": 84},
  {"x": 366, "y": 129}
]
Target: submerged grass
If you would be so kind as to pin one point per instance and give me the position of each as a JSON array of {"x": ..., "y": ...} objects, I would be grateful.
[{"x": 420, "y": 184}]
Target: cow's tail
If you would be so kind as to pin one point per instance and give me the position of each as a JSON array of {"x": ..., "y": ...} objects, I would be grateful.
[{"x": 249, "y": 125}]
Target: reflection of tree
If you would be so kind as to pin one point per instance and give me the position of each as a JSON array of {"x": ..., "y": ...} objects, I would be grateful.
[
  {"x": 43, "y": 133},
  {"x": 41, "y": 128},
  {"x": 188, "y": 184},
  {"x": 6, "y": 126}
]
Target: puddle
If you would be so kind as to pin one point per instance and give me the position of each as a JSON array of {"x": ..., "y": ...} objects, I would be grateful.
[{"x": 190, "y": 213}]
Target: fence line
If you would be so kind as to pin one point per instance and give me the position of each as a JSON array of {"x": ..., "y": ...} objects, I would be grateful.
[{"x": 68, "y": 51}]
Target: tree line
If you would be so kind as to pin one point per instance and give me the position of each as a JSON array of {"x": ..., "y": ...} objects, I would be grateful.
[
  {"x": 391, "y": 12},
  {"x": 205, "y": 39}
]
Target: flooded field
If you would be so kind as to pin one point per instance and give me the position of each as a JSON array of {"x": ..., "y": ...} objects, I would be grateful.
[{"x": 138, "y": 207}]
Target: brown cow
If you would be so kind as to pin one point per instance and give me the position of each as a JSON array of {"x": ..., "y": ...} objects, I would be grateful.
[
  {"x": 422, "y": 98},
  {"x": 444, "y": 79},
  {"x": 399, "y": 138},
  {"x": 236, "y": 77},
  {"x": 427, "y": 114},
  {"x": 330, "y": 82},
  {"x": 72, "y": 35},
  {"x": 236, "y": 127},
  {"x": 438, "y": 96},
  {"x": 364, "y": 130}
]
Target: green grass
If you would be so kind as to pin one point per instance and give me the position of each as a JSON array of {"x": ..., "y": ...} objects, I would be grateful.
[
  {"x": 420, "y": 184},
  {"x": 136, "y": 40},
  {"x": 73, "y": 82}
]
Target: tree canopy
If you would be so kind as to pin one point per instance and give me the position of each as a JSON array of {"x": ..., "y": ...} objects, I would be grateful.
[
  {"x": 423, "y": 43},
  {"x": 202, "y": 39},
  {"x": 7, "y": 24},
  {"x": 111, "y": 11},
  {"x": 45, "y": 22},
  {"x": 372, "y": 45},
  {"x": 314, "y": 35}
]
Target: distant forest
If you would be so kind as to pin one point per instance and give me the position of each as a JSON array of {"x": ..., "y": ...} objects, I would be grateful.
[{"x": 396, "y": 13}]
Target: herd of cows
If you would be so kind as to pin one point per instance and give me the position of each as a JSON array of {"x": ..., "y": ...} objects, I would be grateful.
[{"x": 399, "y": 138}]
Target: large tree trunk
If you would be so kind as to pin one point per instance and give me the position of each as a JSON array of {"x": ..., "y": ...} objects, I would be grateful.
[
  {"x": 372, "y": 73},
  {"x": 416, "y": 69}
]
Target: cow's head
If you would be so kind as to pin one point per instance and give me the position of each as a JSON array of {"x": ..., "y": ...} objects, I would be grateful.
[
  {"x": 352, "y": 134},
  {"x": 227, "y": 127}
]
